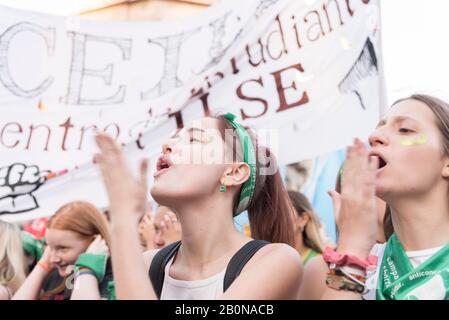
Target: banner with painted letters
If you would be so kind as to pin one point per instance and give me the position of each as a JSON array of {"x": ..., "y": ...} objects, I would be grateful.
[{"x": 306, "y": 75}]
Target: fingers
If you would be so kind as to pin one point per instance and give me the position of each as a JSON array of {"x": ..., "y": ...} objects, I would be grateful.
[
  {"x": 110, "y": 151},
  {"x": 336, "y": 202},
  {"x": 163, "y": 227},
  {"x": 169, "y": 222},
  {"x": 172, "y": 216},
  {"x": 106, "y": 144},
  {"x": 144, "y": 174},
  {"x": 356, "y": 157},
  {"x": 373, "y": 163},
  {"x": 147, "y": 219}
]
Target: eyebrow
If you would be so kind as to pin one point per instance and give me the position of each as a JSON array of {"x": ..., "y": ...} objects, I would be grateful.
[
  {"x": 193, "y": 129},
  {"x": 396, "y": 120}
]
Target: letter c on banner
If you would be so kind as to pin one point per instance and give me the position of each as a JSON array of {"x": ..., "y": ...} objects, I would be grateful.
[{"x": 48, "y": 34}]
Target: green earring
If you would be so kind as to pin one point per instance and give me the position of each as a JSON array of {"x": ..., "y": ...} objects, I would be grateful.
[{"x": 222, "y": 188}]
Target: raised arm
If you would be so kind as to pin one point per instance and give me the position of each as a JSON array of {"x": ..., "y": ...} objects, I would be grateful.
[
  {"x": 127, "y": 199},
  {"x": 356, "y": 220},
  {"x": 32, "y": 286}
]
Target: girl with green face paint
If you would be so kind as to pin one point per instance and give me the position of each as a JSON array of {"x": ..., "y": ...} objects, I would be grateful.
[
  {"x": 411, "y": 146},
  {"x": 422, "y": 139}
]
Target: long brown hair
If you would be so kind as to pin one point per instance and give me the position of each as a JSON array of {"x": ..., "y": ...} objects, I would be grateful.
[
  {"x": 311, "y": 235},
  {"x": 270, "y": 212},
  {"x": 440, "y": 109},
  {"x": 81, "y": 217}
]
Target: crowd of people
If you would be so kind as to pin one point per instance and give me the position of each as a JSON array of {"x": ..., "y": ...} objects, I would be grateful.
[{"x": 391, "y": 207}]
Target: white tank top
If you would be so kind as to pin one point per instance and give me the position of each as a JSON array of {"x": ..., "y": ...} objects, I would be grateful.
[{"x": 205, "y": 289}]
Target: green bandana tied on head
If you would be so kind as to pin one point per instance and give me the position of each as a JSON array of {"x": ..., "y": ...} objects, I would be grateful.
[{"x": 249, "y": 157}]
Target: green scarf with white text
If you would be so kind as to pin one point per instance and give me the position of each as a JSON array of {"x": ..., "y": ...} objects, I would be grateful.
[{"x": 399, "y": 280}]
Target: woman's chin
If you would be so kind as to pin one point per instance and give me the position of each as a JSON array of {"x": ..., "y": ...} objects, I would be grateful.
[
  {"x": 381, "y": 191},
  {"x": 161, "y": 196},
  {"x": 62, "y": 271}
]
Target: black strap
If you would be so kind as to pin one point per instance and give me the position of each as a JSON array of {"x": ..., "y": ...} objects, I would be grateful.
[
  {"x": 157, "y": 268},
  {"x": 240, "y": 259},
  {"x": 235, "y": 266}
]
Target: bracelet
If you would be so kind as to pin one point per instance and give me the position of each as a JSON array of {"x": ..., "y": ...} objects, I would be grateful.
[
  {"x": 85, "y": 272},
  {"x": 45, "y": 266},
  {"x": 340, "y": 279},
  {"x": 342, "y": 283},
  {"x": 341, "y": 272},
  {"x": 93, "y": 262},
  {"x": 333, "y": 257},
  {"x": 353, "y": 270}
]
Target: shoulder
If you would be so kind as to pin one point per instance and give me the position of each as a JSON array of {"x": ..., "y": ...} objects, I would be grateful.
[
  {"x": 279, "y": 260},
  {"x": 4, "y": 293},
  {"x": 274, "y": 272},
  {"x": 148, "y": 257},
  {"x": 277, "y": 254},
  {"x": 314, "y": 279}
]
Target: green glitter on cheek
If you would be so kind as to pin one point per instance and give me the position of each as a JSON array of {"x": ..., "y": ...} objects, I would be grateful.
[{"x": 422, "y": 139}]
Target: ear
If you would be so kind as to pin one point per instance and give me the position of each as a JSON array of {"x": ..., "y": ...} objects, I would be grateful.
[
  {"x": 303, "y": 220},
  {"x": 236, "y": 174},
  {"x": 445, "y": 171}
]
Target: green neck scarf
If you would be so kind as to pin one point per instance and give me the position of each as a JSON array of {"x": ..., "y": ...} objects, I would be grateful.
[{"x": 398, "y": 280}]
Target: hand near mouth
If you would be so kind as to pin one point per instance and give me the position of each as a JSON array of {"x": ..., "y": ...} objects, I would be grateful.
[
  {"x": 45, "y": 261},
  {"x": 127, "y": 194},
  {"x": 355, "y": 208}
]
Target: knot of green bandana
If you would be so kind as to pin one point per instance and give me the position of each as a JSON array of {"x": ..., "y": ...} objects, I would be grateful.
[{"x": 249, "y": 157}]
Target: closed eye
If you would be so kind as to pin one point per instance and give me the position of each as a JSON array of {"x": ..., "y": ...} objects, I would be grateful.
[{"x": 405, "y": 130}]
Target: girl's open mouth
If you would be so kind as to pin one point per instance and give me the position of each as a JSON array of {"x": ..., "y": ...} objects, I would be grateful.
[
  {"x": 382, "y": 162},
  {"x": 162, "y": 165}
]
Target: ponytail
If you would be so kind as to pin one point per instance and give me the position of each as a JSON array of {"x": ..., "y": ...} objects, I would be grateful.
[
  {"x": 388, "y": 223},
  {"x": 271, "y": 212}
]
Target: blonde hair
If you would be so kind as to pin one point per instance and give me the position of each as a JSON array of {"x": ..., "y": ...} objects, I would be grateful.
[
  {"x": 12, "y": 258},
  {"x": 312, "y": 234}
]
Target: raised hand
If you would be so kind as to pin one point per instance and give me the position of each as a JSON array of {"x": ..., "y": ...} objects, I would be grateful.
[
  {"x": 127, "y": 194},
  {"x": 98, "y": 246},
  {"x": 170, "y": 228},
  {"x": 147, "y": 231},
  {"x": 45, "y": 261},
  {"x": 355, "y": 208}
]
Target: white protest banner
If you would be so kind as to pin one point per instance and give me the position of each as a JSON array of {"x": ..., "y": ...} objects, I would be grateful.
[{"x": 308, "y": 73}]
